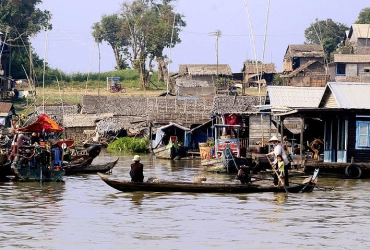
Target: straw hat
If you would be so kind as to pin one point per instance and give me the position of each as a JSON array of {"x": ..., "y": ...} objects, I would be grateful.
[
  {"x": 136, "y": 158},
  {"x": 274, "y": 138}
]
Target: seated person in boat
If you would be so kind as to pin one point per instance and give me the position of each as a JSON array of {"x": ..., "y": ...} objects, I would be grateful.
[
  {"x": 34, "y": 138},
  {"x": 137, "y": 169},
  {"x": 244, "y": 175},
  {"x": 19, "y": 140}
]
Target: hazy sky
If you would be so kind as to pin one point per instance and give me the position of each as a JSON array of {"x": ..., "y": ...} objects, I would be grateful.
[{"x": 71, "y": 48}]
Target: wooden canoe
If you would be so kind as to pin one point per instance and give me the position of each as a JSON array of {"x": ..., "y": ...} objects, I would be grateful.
[
  {"x": 166, "y": 186},
  {"x": 91, "y": 168}
]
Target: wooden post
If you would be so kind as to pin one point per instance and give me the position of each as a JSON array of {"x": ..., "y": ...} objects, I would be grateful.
[{"x": 301, "y": 136}]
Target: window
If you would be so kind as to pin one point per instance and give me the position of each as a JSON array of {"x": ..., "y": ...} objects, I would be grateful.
[
  {"x": 363, "y": 135},
  {"x": 341, "y": 69}
]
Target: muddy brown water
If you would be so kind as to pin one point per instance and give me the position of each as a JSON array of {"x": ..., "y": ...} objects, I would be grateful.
[{"x": 85, "y": 213}]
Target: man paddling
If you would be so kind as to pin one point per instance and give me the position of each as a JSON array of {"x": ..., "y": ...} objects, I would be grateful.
[{"x": 278, "y": 150}]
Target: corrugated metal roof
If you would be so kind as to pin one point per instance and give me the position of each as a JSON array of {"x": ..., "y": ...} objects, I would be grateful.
[
  {"x": 350, "y": 95},
  {"x": 294, "y": 97},
  {"x": 173, "y": 124},
  {"x": 351, "y": 58}
]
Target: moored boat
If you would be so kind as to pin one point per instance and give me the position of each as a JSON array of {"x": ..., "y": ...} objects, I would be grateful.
[
  {"x": 225, "y": 156},
  {"x": 90, "y": 168}
]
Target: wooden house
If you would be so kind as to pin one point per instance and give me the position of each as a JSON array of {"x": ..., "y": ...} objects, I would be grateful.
[
  {"x": 185, "y": 111},
  {"x": 258, "y": 74},
  {"x": 352, "y": 68},
  {"x": 202, "y": 79},
  {"x": 304, "y": 66},
  {"x": 241, "y": 110},
  {"x": 344, "y": 112},
  {"x": 358, "y": 37},
  {"x": 284, "y": 99}
]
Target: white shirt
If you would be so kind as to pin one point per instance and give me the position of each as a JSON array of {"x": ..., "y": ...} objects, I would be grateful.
[{"x": 278, "y": 150}]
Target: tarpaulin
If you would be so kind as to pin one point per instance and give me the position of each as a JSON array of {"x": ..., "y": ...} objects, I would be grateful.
[{"x": 45, "y": 123}]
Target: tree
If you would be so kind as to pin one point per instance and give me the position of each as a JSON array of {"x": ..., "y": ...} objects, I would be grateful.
[
  {"x": 364, "y": 16},
  {"x": 20, "y": 20},
  {"x": 327, "y": 33},
  {"x": 109, "y": 30},
  {"x": 147, "y": 28}
]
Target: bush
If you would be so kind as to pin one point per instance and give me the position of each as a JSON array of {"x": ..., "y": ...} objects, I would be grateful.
[{"x": 130, "y": 144}]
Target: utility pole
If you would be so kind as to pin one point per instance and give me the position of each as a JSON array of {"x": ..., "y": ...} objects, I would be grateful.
[{"x": 217, "y": 33}]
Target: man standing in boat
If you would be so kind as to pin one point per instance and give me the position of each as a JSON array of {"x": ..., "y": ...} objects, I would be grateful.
[
  {"x": 137, "y": 169},
  {"x": 278, "y": 150}
]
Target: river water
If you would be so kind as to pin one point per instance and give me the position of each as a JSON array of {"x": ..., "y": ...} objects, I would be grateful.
[{"x": 85, "y": 213}]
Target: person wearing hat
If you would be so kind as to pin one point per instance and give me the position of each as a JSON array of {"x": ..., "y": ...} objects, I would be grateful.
[
  {"x": 137, "y": 169},
  {"x": 278, "y": 150}
]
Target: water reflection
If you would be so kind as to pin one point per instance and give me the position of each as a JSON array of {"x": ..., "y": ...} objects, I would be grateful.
[{"x": 85, "y": 213}]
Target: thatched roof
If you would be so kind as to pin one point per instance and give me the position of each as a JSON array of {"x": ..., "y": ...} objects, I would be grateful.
[
  {"x": 205, "y": 69},
  {"x": 120, "y": 123},
  {"x": 54, "y": 111},
  {"x": 236, "y": 104},
  {"x": 251, "y": 68},
  {"x": 304, "y": 50},
  {"x": 181, "y": 82},
  {"x": 182, "y": 110},
  {"x": 83, "y": 120}
]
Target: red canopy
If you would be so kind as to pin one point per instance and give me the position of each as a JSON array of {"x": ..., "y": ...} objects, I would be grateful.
[{"x": 44, "y": 122}]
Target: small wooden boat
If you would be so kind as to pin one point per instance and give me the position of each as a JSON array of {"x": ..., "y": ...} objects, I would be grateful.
[
  {"x": 170, "y": 152},
  {"x": 167, "y": 186},
  {"x": 90, "y": 168}
]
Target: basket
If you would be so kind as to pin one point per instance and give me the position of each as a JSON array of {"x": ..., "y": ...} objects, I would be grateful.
[
  {"x": 199, "y": 179},
  {"x": 203, "y": 144}
]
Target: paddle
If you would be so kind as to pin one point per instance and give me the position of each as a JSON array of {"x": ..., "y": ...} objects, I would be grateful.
[{"x": 279, "y": 177}]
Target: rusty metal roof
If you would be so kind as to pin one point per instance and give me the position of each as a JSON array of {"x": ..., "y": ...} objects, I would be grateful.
[
  {"x": 5, "y": 107},
  {"x": 294, "y": 97},
  {"x": 349, "y": 95}
]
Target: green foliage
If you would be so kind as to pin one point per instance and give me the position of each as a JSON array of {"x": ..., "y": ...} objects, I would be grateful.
[
  {"x": 364, "y": 16},
  {"x": 140, "y": 32},
  {"x": 277, "y": 80},
  {"x": 129, "y": 78},
  {"x": 130, "y": 144},
  {"x": 325, "y": 32},
  {"x": 20, "y": 20}
]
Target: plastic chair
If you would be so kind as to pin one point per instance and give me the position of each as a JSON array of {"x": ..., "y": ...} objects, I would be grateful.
[{"x": 56, "y": 158}]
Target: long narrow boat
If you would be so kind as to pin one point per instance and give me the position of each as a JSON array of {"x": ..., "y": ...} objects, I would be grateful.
[
  {"x": 167, "y": 186},
  {"x": 90, "y": 168}
]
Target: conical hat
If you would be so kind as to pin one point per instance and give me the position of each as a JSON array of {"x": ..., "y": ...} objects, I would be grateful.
[{"x": 274, "y": 138}]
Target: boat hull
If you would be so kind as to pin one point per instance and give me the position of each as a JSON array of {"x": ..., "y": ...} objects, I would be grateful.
[
  {"x": 91, "y": 168},
  {"x": 165, "y": 186},
  {"x": 43, "y": 174}
]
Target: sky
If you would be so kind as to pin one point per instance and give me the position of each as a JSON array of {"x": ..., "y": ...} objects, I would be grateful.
[{"x": 70, "y": 46}]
